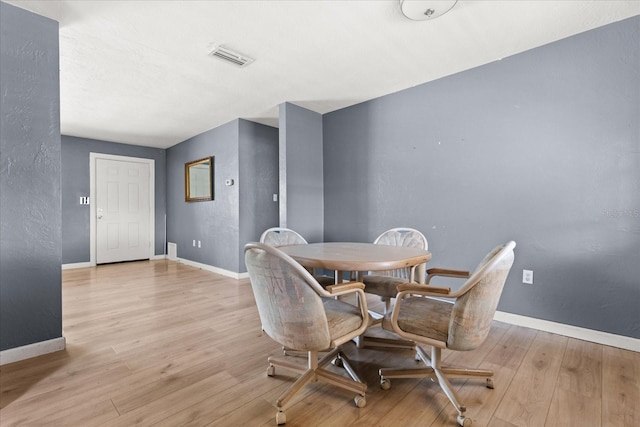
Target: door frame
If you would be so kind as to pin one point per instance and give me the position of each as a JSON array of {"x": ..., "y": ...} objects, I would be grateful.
[{"x": 93, "y": 157}]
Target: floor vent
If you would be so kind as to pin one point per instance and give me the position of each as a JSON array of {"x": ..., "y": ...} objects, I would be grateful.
[{"x": 231, "y": 56}]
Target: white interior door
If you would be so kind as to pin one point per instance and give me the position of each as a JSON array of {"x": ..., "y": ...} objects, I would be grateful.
[{"x": 122, "y": 204}]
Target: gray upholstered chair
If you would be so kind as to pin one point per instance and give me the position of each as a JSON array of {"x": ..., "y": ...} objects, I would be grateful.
[
  {"x": 280, "y": 236},
  {"x": 383, "y": 283},
  {"x": 462, "y": 325},
  {"x": 302, "y": 315}
]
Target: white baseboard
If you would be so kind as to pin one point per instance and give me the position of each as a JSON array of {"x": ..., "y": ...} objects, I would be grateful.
[
  {"x": 584, "y": 334},
  {"x": 32, "y": 350},
  {"x": 76, "y": 265},
  {"x": 221, "y": 271}
]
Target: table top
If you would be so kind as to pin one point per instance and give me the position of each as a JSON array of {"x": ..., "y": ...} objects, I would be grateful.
[{"x": 347, "y": 256}]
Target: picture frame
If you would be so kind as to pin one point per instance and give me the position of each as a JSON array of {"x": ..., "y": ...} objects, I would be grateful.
[{"x": 198, "y": 180}]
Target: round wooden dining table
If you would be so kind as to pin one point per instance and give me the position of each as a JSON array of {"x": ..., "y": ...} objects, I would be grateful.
[{"x": 357, "y": 257}]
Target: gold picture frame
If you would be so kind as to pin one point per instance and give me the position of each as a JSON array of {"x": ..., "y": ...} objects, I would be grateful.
[{"x": 198, "y": 180}]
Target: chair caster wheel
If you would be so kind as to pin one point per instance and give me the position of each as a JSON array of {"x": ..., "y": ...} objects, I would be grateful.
[
  {"x": 360, "y": 401},
  {"x": 281, "y": 418},
  {"x": 464, "y": 421},
  {"x": 337, "y": 362},
  {"x": 271, "y": 370},
  {"x": 490, "y": 383},
  {"x": 385, "y": 384}
]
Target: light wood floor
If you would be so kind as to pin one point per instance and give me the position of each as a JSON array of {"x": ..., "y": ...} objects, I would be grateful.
[{"x": 160, "y": 343}]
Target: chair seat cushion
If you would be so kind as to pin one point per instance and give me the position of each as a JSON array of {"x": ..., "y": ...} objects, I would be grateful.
[
  {"x": 425, "y": 317},
  {"x": 385, "y": 286},
  {"x": 343, "y": 318}
]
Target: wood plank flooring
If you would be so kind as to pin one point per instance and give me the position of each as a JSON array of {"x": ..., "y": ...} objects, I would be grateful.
[{"x": 161, "y": 343}]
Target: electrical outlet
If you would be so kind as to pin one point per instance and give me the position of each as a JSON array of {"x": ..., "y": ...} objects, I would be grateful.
[{"x": 527, "y": 277}]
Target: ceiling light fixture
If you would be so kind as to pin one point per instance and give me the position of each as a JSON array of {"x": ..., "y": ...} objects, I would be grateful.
[{"x": 421, "y": 10}]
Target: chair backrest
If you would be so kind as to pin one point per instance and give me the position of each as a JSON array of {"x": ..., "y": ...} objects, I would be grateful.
[
  {"x": 279, "y": 236},
  {"x": 473, "y": 311},
  {"x": 291, "y": 311},
  {"x": 401, "y": 236}
]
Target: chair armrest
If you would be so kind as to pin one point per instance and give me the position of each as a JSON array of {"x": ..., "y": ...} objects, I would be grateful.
[
  {"x": 344, "y": 288},
  {"x": 445, "y": 272},
  {"x": 352, "y": 288},
  {"x": 421, "y": 289}
]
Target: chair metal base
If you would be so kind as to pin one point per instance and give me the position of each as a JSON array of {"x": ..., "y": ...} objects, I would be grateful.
[
  {"x": 439, "y": 374},
  {"x": 366, "y": 341},
  {"x": 314, "y": 371}
]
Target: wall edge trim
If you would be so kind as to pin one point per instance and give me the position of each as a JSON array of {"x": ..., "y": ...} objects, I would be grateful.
[
  {"x": 217, "y": 270},
  {"x": 32, "y": 350},
  {"x": 74, "y": 265},
  {"x": 591, "y": 335}
]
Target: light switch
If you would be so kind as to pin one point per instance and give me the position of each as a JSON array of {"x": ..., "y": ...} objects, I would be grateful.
[{"x": 84, "y": 200}]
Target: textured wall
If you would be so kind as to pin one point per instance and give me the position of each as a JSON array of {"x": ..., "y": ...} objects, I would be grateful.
[
  {"x": 30, "y": 238},
  {"x": 301, "y": 171},
  {"x": 541, "y": 147},
  {"x": 75, "y": 183},
  {"x": 215, "y": 223},
  {"x": 245, "y": 152},
  {"x": 258, "y": 182}
]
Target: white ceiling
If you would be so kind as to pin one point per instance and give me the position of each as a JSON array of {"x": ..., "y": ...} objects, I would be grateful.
[{"x": 139, "y": 72}]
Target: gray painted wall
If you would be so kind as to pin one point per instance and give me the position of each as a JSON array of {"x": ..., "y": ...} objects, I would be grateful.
[
  {"x": 75, "y": 184},
  {"x": 218, "y": 224},
  {"x": 215, "y": 223},
  {"x": 258, "y": 182},
  {"x": 30, "y": 238},
  {"x": 301, "y": 171},
  {"x": 541, "y": 147}
]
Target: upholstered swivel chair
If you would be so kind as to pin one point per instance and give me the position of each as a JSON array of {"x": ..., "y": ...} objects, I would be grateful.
[
  {"x": 302, "y": 315},
  {"x": 383, "y": 283},
  {"x": 462, "y": 325},
  {"x": 280, "y": 236}
]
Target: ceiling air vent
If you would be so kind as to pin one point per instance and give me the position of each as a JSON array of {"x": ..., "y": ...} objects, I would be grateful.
[{"x": 230, "y": 56}]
